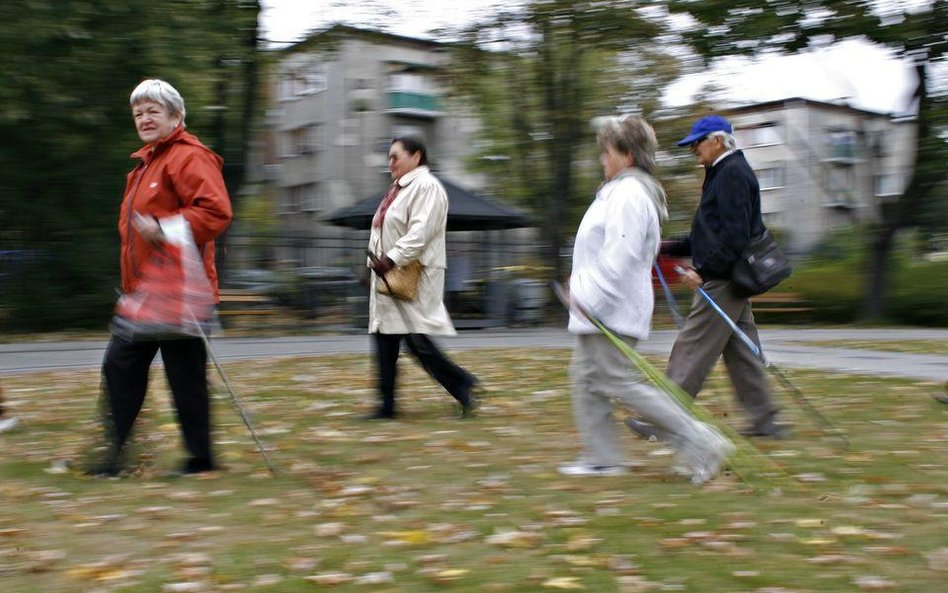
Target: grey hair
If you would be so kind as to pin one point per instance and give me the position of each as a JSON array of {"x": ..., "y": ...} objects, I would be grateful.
[
  {"x": 729, "y": 142},
  {"x": 161, "y": 92},
  {"x": 631, "y": 135}
]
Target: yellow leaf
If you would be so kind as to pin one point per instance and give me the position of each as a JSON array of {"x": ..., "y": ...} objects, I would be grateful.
[
  {"x": 563, "y": 583},
  {"x": 414, "y": 537}
]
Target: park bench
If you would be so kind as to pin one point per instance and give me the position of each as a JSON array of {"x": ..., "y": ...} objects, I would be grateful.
[
  {"x": 780, "y": 303},
  {"x": 236, "y": 304}
]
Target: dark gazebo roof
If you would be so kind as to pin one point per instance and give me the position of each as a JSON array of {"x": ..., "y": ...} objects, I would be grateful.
[{"x": 467, "y": 211}]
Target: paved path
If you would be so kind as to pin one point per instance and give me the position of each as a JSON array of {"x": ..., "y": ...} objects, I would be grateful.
[{"x": 782, "y": 346}]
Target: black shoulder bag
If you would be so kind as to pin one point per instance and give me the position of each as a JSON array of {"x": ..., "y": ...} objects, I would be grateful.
[{"x": 761, "y": 266}]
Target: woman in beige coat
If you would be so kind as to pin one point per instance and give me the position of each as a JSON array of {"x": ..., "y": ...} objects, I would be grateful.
[{"x": 409, "y": 225}]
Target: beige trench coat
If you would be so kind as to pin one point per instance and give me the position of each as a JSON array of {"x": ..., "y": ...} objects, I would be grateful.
[{"x": 414, "y": 229}]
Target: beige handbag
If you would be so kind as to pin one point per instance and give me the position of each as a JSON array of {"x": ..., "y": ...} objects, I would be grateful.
[{"x": 400, "y": 282}]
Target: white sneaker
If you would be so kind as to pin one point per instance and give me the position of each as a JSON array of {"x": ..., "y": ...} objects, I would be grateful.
[
  {"x": 584, "y": 469},
  {"x": 8, "y": 423},
  {"x": 706, "y": 457}
]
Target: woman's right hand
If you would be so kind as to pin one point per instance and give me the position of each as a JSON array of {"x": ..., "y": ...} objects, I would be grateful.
[{"x": 148, "y": 228}]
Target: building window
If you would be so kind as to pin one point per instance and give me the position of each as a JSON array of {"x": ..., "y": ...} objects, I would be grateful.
[
  {"x": 770, "y": 178},
  {"x": 299, "y": 198},
  {"x": 303, "y": 140},
  {"x": 840, "y": 184},
  {"x": 409, "y": 82},
  {"x": 765, "y": 134},
  {"x": 878, "y": 144},
  {"x": 841, "y": 144},
  {"x": 302, "y": 80},
  {"x": 887, "y": 184}
]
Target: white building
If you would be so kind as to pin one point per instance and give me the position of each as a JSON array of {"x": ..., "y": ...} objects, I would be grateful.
[
  {"x": 336, "y": 101},
  {"x": 822, "y": 165}
]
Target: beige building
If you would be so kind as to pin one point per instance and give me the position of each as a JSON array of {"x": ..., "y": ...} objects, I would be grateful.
[{"x": 822, "y": 165}]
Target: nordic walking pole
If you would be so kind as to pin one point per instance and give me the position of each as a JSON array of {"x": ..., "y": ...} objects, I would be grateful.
[
  {"x": 745, "y": 456},
  {"x": 669, "y": 297},
  {"x": 236, "y": 401},
  {"x": 825, "y": 425}
]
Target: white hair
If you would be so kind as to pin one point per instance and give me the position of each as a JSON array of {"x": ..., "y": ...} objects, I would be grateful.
[
  {"x": 161, "y": 92},
  {"x": 730, "y": 143}
]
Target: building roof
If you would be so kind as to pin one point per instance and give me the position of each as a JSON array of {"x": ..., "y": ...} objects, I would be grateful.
[{"x": 467, "y": 211}]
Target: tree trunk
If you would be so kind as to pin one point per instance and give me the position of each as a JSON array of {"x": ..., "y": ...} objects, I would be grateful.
[{"x": 882, "y": 238}]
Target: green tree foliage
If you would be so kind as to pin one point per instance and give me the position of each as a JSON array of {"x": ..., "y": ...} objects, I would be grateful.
[
  {"x": 918, "y": 31},
  {"x": 537, "y": 75},
  {"x": 66, "y": 71}
]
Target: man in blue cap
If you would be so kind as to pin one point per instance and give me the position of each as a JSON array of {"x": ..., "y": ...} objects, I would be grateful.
[{"x": 728, "y": 216}]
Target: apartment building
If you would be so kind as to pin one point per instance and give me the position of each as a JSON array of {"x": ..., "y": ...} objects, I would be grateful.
[
  {"x": 336, "y": 101},
  {"x": 823, "y": 165}
]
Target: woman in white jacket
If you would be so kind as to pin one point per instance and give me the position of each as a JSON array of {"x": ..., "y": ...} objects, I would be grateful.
[
  {"x": 409, "y": 225},
  {"x": 615, "y": 248}
]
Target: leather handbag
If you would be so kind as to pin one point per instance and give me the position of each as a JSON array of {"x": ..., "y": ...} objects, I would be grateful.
[
  {"x": 401, "y": 282},
  {"x": 761, "y": 266}
]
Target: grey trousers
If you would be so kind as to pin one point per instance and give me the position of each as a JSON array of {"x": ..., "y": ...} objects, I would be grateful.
[
  {"x": 705, "y": 337},
  {"x": 600, "y": 374}
]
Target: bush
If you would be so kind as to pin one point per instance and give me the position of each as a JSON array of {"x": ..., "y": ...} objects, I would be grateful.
[
  {"x": 918, "y": 294},
  {"x": 835, "y": 282}
]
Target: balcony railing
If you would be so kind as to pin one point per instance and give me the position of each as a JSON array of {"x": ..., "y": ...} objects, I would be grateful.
[{"x": 414, "y": 104}]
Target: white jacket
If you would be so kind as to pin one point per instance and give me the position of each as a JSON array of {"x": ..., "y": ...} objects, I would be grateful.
[
  {"x": 615, "y": 248},
  {"x": 413, "y": 229}
]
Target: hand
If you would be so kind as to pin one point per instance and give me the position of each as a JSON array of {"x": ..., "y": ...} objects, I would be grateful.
[
  {"x": 382, "y": 265},
  {"x": 690, "y": 278},
  {"x": 148, "y": 228}
]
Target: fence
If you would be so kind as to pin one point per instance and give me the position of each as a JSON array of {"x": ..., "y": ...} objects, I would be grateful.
[{"x": 493, "y": 278}]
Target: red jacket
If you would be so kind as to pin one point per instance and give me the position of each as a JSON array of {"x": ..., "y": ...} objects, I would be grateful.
[{"x": 178, "y": 175}]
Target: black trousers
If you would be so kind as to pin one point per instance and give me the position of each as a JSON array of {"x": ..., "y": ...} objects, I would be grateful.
[
  {"x": 454, "y": 379},
  {"x": 125, "y": 373}
]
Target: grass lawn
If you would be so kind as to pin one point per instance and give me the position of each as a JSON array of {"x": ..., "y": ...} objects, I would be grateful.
[
  {"x": 906, "y": 346},
  {"x": 433, "y": 503}
]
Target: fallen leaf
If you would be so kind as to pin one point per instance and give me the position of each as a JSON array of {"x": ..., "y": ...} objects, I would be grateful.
[
  {"x": 515, "y": 539},
  {"x": 938, "y": 560},
  {"x": 563, "y": 583}
]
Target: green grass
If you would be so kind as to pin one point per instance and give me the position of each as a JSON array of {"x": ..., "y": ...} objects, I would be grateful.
[
  {"x": 433, "y": 503},
  {"x": 906, "y": 346}
]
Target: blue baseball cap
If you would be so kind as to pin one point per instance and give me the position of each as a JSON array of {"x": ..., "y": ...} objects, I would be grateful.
[{"x": 704, "y": 126}]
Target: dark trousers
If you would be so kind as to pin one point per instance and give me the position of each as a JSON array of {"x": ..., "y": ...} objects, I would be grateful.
[
  {"x": 454, "y": 379},
  {"x": 125, "y": 373}
]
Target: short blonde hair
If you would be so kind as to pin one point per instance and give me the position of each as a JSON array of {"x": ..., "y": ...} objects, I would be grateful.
[
  {"x": 630, "y": 135},
  {"x": 161, "y": 92}
]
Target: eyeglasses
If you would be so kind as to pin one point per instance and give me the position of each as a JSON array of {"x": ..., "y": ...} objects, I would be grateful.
[{"x": 694, "y": 145}]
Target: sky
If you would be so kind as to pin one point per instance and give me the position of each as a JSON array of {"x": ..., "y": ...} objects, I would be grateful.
[{"x": 861, "y": 74}]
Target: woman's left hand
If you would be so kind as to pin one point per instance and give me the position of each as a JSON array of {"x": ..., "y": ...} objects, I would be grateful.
[{"x": 382, "y": 265}]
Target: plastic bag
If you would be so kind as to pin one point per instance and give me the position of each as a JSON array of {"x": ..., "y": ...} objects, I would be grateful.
[{"x": 174, "y": 298}]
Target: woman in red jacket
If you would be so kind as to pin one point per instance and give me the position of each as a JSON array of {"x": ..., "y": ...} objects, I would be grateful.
[{"x": 177, "y": 180}]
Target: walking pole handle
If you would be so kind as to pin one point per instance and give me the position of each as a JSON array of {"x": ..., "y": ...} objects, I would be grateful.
[{"x": 727, "y": 319}]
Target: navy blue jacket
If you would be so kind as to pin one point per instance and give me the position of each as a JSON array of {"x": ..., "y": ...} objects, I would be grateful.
[{"x": 726, "y": 219}]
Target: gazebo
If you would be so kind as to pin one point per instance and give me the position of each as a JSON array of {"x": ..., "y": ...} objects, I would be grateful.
[{"x": 467, "y": 211}]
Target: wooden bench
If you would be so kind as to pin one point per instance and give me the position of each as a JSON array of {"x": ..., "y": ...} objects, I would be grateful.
[
  {"x": 235, "y": 303},
  {"x": 780, "y": 302}
]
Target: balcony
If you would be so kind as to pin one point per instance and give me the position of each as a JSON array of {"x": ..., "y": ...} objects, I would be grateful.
[{"x": 421, "y": 105}]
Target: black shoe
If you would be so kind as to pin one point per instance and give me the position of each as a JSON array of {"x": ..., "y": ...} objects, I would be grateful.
[
  {"x": 106, "y": 469},
  {"x": 198, "y": 466},
  {"x": 646, "y": 430},
  {"x": 471, "y": 400},
  {"x": 192, "y": 467},
  {"x": 771, "y": 431},
  {"x": 379, "y": 415}
]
